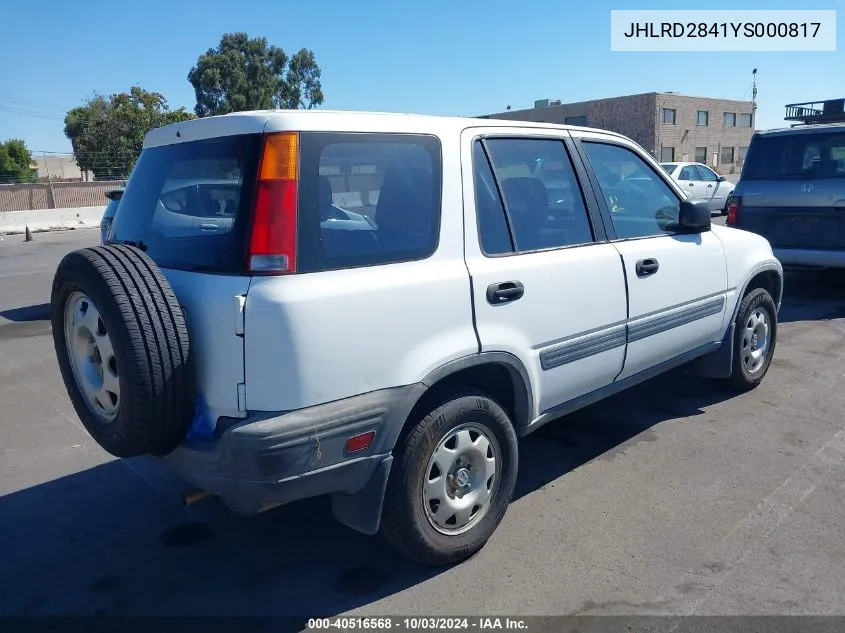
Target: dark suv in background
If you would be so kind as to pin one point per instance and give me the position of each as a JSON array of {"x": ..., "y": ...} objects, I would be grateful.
[{"x": 792, "y": 192}]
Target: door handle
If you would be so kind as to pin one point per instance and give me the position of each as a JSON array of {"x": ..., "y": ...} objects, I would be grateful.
[
  {"x": 646, "y": 267},
  {"x": 504, "y": 292},
  {"x": 709, "y": 186},
  {"x": 692, "y": 184}
]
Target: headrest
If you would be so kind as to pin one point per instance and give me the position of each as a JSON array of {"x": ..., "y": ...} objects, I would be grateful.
[
  {"x": 525, "y": 195},
  {"x": 324, "y": 191},
  {"x": 404, "y": 201}
]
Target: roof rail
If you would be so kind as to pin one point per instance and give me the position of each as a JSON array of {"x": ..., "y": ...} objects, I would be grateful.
[{"x": 829, "y": 111}]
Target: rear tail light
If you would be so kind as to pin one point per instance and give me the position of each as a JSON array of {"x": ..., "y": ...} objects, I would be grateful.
[
  {"x": 733, "y": 211},
  {"x": 272, "y": 241}
]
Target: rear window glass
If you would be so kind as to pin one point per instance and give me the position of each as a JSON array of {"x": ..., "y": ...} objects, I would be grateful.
[
  {"x": 803, "y": 156},
  {"x": 187, "y": 204},
  {"x": 367, "y": 199}
]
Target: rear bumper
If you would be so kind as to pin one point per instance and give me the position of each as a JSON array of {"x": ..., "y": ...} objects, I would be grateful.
[
  {"x": 810, "y": 257},
  {"x": 271, "y": 459}
]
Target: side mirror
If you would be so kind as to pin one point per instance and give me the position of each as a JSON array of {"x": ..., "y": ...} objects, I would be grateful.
[
  {"x": 721, "y": 179},
  {"x": 694, "y": 216}
]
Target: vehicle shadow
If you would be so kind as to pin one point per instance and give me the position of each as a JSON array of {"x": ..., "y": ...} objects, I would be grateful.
[
  {"x": 112, "y": 539},
  {"x": 813, "y": 296}
]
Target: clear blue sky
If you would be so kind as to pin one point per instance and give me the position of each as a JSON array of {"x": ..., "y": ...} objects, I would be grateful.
[{"x": 465, "y": 57}]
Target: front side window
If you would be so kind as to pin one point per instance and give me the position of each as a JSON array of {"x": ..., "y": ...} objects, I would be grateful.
[
  {"x": 706, "y": 174},
  {"x": 641, "y": 204},
  {"x": 367, "y": 199},
  {"x": 536, "y": 188}
]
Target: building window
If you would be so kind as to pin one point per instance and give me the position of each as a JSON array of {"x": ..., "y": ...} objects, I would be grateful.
[
  {"x": 703, "y": 118},
  {"x": 741, "y": 154},
  {"x": 669, "y": 116},
  {"x": 730, "y": 119},
  {"x": 667, "y": 154},
  {"x": 576, "y": 120},
  {"x": 701, "y": 155},
  {"x": 746, "y": 120},
  {"x": 727, "y": 157}
]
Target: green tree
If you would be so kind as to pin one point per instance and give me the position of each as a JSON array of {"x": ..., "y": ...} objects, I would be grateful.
[
  {"x": 249, "y": 74},
  {"x": 107, "y": 134},
  {"x": 16, "y": 162}
]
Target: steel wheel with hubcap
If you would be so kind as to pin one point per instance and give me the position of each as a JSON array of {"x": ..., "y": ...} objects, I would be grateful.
[
  {"x": 452, "y": 478},
  {"x": 461, "y": 480},
  {"x": 91, "y": 355},
  {"x": 755, "y": 340}
]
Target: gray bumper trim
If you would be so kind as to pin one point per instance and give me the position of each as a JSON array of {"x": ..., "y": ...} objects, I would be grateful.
[{"x": 273, "y": 458}]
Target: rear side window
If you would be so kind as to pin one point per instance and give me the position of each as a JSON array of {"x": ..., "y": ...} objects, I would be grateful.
[
  {"x": 188, "y": 204},
  {"x": 802, "y": 156},
  {"x": 535, "y": 193},
  {"x": 367, "y": 199}
]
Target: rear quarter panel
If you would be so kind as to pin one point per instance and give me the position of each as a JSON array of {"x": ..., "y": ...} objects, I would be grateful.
[{"x": 319, "y": 337}]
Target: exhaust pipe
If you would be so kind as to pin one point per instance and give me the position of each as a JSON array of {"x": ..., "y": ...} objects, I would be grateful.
[{"x": 193, "y": 496}]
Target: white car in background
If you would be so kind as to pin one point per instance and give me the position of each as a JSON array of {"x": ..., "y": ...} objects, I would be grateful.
[{"x": 700, "y": 182}]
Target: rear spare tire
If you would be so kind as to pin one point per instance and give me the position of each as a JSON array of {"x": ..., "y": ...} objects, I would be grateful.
[{"x": 123, "y": 350}]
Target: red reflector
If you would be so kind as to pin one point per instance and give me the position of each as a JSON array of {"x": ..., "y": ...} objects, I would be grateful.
[
  {"x": 733, "y": 210},
  {"x": 360, "y": 442},
  {"x": 272, "y": 246}
]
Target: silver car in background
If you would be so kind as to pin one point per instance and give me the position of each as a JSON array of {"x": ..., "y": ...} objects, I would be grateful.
[{"x": 792, "y": 192}]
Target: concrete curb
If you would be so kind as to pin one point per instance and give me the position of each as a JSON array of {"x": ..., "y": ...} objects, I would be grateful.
[{"x": 15, "y": 222}]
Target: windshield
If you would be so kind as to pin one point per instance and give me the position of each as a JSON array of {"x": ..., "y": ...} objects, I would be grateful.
[
  {"x": 187, "y": 204},
  {"x": 802, "y": 156}
]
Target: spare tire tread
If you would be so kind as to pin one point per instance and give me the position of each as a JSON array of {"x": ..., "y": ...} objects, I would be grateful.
[
  {"x": 160, "y": 369},
  {"x": 150, "y": 335}
]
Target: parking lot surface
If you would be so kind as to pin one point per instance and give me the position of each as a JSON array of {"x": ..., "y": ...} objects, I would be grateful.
[{"x": 672, "y": 498}]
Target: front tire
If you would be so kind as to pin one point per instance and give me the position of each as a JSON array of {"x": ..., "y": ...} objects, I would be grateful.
[
  {"x": 452, "y": 480},
  {"x": 754, "y": 339}
]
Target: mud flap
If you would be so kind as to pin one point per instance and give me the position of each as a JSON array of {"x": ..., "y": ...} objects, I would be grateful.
[
  {"x": 362, "y": 511},
  {"x": 718, "y": 364}
]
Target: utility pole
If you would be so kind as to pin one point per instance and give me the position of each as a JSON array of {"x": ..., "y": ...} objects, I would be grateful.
[
  {"x": 50, "y": 180},
  {"x": 754, "y": 97}
]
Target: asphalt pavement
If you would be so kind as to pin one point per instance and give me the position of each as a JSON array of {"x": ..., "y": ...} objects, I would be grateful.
[{"x": 672, "y": 498}]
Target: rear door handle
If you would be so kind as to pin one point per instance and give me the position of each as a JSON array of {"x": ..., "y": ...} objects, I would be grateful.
[
  {"x": 646, "y": 267},
  {"x": 504, "y": 292}
]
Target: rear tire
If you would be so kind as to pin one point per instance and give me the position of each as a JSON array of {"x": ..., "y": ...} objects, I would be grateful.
[
  {"x": 452, "y": 480},
  {"x": 755, "y": 339},
  {"x": 123, "y": 350}
]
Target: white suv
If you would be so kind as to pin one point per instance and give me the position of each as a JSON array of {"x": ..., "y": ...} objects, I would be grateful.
[{"x": 375, "y": 307}]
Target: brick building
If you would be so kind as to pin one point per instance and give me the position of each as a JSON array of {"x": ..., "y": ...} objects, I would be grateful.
[{"x": 671, "y": 126}]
